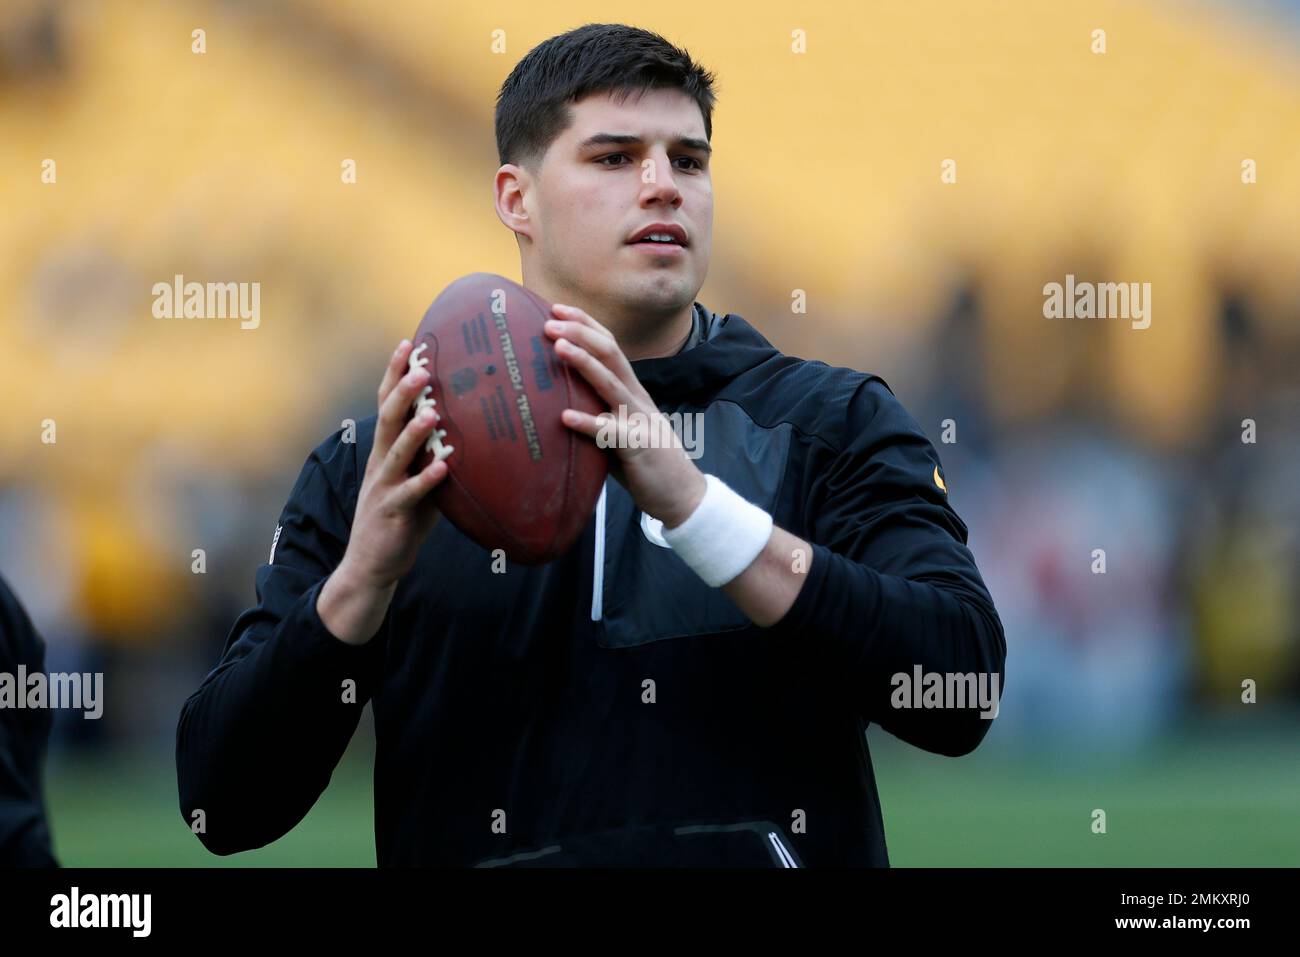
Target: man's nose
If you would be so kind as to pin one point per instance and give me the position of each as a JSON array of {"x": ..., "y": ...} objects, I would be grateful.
[{"x": 659, "y": 182}]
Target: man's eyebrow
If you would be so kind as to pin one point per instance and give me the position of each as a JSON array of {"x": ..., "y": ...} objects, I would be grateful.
[{"x": 631, "y": 139}]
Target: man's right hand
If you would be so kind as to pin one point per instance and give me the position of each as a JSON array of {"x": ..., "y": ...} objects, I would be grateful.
[{"x": 395, "y": 511}]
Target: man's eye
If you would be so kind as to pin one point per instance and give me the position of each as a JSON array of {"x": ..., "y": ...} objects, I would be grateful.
[
  {"x": 692, "y": 159},
  {"x": 612, "y": 156}
]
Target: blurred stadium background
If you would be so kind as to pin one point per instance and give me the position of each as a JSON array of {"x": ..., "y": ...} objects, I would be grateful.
[{"x": 1123, "y": 690}]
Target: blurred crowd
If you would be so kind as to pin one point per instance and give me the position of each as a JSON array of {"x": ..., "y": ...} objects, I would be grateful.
[{"x": 1138, "y": 584}]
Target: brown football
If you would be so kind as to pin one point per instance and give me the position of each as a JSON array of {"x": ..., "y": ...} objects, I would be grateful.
[{"x": 518, "y": 479}]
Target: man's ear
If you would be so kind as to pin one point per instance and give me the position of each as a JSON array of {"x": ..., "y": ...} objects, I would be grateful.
[{"x": 511, "y": 188}]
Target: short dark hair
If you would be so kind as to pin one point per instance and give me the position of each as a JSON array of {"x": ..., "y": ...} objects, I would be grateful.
[{"x": 533, "y": 105}]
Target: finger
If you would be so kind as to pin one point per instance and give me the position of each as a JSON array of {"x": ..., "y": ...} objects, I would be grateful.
[
  {"x": 603, "y": 347},
  {"x": 411, "y": 440},
  {"x": 418, "y": 486},
  {"x": 574, "y": 313},
  {"x": 392, "y": 414},
  {"x": 607, "y": 385},
  {"x": 593, "y": 340},
  {"x": 397, "y": 365},
  {"x": 592, "y": 425},
  {"x": 613, "y": 432}
]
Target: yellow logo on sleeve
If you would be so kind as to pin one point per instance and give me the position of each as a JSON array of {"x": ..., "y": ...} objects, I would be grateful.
[{"x": 938, "y": 480}]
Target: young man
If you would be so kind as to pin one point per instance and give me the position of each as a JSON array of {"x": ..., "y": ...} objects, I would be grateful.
[{"x": 692, "y": 682}]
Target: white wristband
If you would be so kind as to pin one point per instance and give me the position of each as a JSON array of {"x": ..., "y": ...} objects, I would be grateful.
[{"x": 723, "y": 535}]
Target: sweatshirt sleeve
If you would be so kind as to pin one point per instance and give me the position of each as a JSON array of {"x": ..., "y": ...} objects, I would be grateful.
[
  {"x": 257, "y": 742},
  {"x": 24, "y": 733},
  {"x": 891, "y": 585}
]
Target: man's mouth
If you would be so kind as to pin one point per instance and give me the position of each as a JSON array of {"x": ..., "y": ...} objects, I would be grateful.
[{"x": 660, "y": 234}]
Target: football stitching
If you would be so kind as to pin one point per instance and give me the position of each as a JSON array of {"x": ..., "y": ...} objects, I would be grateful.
[{"x": 424, "y": 401}]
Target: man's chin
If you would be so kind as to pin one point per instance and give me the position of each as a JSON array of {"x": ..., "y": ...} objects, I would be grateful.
[{"x": 660, "y": 298}]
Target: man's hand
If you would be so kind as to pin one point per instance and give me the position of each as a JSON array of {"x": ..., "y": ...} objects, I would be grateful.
[
  {"x": 395, "y": 512},
  {"x": 663, "y": 482}
]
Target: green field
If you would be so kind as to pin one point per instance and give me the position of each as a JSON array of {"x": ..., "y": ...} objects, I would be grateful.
[{"x": 1213, "y": 798}]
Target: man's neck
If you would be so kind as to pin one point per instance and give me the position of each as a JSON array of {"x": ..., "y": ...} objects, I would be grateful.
[
  {"x": 669, "y": 341},
  {"x": 665, "y": 338}
]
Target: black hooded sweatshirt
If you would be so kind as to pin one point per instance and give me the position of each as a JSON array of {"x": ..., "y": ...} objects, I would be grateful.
[{"x": 610, "y": 708}]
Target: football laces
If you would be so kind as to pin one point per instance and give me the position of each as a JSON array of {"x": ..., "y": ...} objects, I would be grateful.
[{"x": 424, "y": 401}]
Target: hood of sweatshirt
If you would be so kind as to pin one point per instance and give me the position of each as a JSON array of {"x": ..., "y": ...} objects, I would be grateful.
[{"x": 735, "y": 347}]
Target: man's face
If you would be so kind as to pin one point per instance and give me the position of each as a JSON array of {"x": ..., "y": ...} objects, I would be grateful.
[{"x": 617, "y": 169}]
